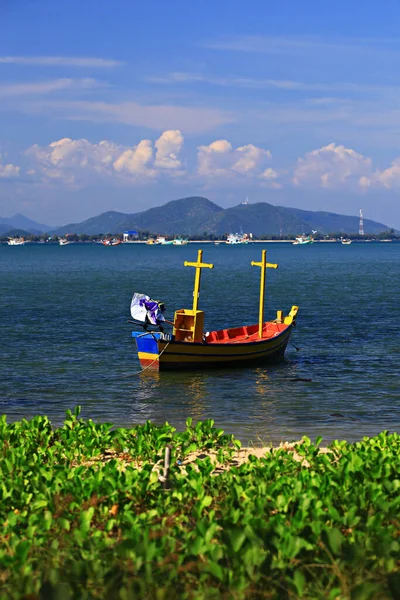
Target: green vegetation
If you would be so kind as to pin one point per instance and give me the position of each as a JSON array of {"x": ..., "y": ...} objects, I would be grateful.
[{"x": 85, "y": 513}]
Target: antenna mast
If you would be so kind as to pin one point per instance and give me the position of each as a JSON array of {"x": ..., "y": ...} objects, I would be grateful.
[{"x": 361, "y": 228}]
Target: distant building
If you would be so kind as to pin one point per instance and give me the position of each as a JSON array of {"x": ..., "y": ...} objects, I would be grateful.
[{"x": 130, "y": 236}]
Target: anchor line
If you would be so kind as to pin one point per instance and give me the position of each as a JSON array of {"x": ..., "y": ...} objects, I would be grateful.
[{"x": 152, "y": 363}]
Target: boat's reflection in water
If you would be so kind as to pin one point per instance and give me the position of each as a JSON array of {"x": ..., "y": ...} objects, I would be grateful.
[{"x": 244, "y": 395}]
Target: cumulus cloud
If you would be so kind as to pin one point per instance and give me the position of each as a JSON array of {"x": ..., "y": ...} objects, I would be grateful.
[
  {"x": 137, "y": 161},
  {"x": 388, "y": 178},
  {"x": 168, "y": 146},
  {"x": 77, "y": 161},
  {"x": 269, "y": 177},
  {"x": 8, "y": 171},
  {"x": 331, "y": 166},
  {"x": 220, "y": 160}
]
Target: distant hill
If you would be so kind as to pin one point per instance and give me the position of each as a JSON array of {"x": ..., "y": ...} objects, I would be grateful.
[
  {"x": 186, "y": 216},
  {"x": 261, "y": 218},
  {"x": 18, "y": 221},
  {"x": 326, "y": 222},
  {"x": 15, "y": 232},
  {"x": 196, "y": 215}
]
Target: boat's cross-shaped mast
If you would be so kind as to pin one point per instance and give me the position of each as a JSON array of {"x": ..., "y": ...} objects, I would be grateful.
[
  {"x": 264, "y": 265},
  {"x": 199, "y": 265}
]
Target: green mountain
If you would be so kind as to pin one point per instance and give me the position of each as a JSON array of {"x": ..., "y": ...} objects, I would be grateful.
[
  {"x": 261, "y": 218},
  {"x": 326, "y": 222},
  {"x": 15, "y": 232},
  {"x": 197, "y": 215}
]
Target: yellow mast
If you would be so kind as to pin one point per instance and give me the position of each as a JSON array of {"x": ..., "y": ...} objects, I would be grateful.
[
  {"x": 198, "y": 265},
  {"x": 264, "y": 265}
]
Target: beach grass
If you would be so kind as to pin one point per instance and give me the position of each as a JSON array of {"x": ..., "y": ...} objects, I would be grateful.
[{"x": 92, "y": 511}]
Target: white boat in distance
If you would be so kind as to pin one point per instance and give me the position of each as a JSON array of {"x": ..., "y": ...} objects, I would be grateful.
[
  {"x": 162, "y": 241},
  {"x": 64, "y": 242},
  {"x": 239, "y": 238},
  {"x": 179, "y": 241},
  {"x": 346, "y": 242},
  {"x": 301, "y": 240},
  {"x": 16, "y": 241}
]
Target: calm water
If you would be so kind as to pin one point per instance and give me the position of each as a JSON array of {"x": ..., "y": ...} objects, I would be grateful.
[{"x": 65, "y": 339}]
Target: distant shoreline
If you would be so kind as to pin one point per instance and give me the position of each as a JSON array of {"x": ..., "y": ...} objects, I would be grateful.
[{"x": 217, "y": 242}]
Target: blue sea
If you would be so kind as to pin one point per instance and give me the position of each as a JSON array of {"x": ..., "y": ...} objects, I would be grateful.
[{"x": 65, "y": 339}]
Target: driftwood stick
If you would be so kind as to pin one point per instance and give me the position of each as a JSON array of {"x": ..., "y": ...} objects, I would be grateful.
[{"x": 167, "y": 462}]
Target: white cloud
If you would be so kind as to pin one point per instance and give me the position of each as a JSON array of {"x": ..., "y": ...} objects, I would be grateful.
[
  {"x": 249, "y": 158},
  {"x": 288, "y": 85},
  {"x": 288, "y": 45},
  {"x": 169, "y": 145},
  {"x": 46, "y": 87},
  {"x": 220, "y": 160},
  {"x": 388, "y": 178},
  {"x": 331, "y": 166},
  {"x": 137, "y": 161},
  {"x": 269, "y": 177},
  {"x": 8, "y": 171},
  {"x": 158, "y": 117},
  {"x": 76, "y": 162},
  {"x": 60, "y": 61}
]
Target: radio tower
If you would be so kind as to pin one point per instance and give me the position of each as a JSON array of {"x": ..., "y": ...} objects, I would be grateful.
[{"x": 361, "y": 228}]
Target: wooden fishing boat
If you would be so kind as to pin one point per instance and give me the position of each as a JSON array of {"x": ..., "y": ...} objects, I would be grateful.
[{"x": 189, "y": 347}]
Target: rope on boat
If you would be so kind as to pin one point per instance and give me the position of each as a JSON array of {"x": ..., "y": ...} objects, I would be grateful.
[
  {"x": 155, "y": 360},
  {"x": 295, "y": 346}
]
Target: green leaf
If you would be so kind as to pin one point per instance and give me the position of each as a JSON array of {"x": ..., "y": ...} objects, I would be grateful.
[
  {"x": 22, "y": 551},
  {"x": 334, "y": 540},
  {"x": 236, "y": 538},
  {"x": 299, "y": 581},
  {"x": 237, "y": 444},
  {"x": 206, "y": 501},
  {"x": 216, "y": 570}
]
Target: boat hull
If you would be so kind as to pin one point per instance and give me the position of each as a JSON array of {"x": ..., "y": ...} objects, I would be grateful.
[{"x": 161, "y": 352}]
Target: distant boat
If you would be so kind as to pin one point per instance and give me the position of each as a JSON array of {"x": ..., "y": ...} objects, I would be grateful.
[
  {"x": 238, "y": 238},
  {"x": 16, "y": 241},
  {"x": 162, "y": 241},
  {"x": 346, "y": 241},
  {"x": 113, "y": 242},
  {"x": 179, "y": 241},
  {"x": 151, "y": 242},
  {"x": 64, "y": 242},
  {"x": 301, "y": 240}
]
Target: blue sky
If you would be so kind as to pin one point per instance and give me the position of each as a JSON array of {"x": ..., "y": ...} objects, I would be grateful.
[{"x": 126, "y": 105}]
